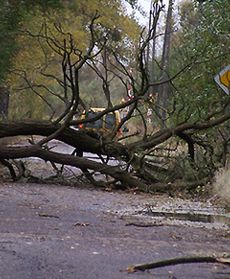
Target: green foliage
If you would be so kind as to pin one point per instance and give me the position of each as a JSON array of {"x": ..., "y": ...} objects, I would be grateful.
[
  {"x": 30, "y": 4},
  {"x": 203, "y": 41},
  {"x": 9, "y": 19},
  {"x": 12, "y": 14},
  {"x": 35, "y": 60},
  {"x": 201, "y": 44}
]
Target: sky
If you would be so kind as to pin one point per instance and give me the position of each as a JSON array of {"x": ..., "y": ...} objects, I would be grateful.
[
  {"x": 144, "y": 20},
  {"x": 145, "y": 5}
]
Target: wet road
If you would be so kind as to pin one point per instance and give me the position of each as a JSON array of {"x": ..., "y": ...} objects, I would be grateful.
[{"x": 56, "y": 232}]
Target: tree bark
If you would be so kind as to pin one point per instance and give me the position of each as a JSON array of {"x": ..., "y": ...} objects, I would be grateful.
[
  {"x": 164, "y": 89},
  {"x": 78, "y": 139}
]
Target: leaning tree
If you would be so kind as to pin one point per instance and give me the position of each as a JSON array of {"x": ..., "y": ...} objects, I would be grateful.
[{"x": 149, "y": 155}]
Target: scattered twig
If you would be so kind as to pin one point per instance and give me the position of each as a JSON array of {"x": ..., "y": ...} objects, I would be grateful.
[
  {"x": 81, "y": 224},
  {"x": 144, "y": 225},
  {"x": 224, "y": 259},
  {"x": 47, "y": 215}
]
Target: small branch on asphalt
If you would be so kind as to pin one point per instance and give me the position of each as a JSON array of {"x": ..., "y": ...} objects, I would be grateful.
[
  {"x": 144, "y": 225},
  {"x": 224, "y": 259},
  {"x": 47, "y": 215}
]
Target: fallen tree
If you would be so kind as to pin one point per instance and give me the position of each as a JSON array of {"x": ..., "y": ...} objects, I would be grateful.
[
  {"x": 80, "y": 140},
  {"x": 149, "y": 154}
]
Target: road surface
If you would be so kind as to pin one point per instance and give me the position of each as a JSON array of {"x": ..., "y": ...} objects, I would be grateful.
[{"x": 61, "y": 232}]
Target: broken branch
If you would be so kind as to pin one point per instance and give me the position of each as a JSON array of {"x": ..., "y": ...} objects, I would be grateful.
[{"x": 224, "y": 259}]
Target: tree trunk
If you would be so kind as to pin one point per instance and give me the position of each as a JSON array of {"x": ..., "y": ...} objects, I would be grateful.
[
  {"x": 164, "y": 89},
  {"x": 78, "y": 139}
]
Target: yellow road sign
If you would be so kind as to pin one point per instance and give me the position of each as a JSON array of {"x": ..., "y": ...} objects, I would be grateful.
[{"x": 223, "y": 79}]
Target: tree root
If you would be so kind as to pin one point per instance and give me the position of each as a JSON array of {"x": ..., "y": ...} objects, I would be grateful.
[{"x": 224, "y": 259}]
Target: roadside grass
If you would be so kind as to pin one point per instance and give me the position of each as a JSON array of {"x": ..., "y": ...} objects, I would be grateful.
[{"x": 221, "y": 185}]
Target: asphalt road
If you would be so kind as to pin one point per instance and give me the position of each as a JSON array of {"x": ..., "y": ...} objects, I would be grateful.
[{"x": 57, "y": 232}]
